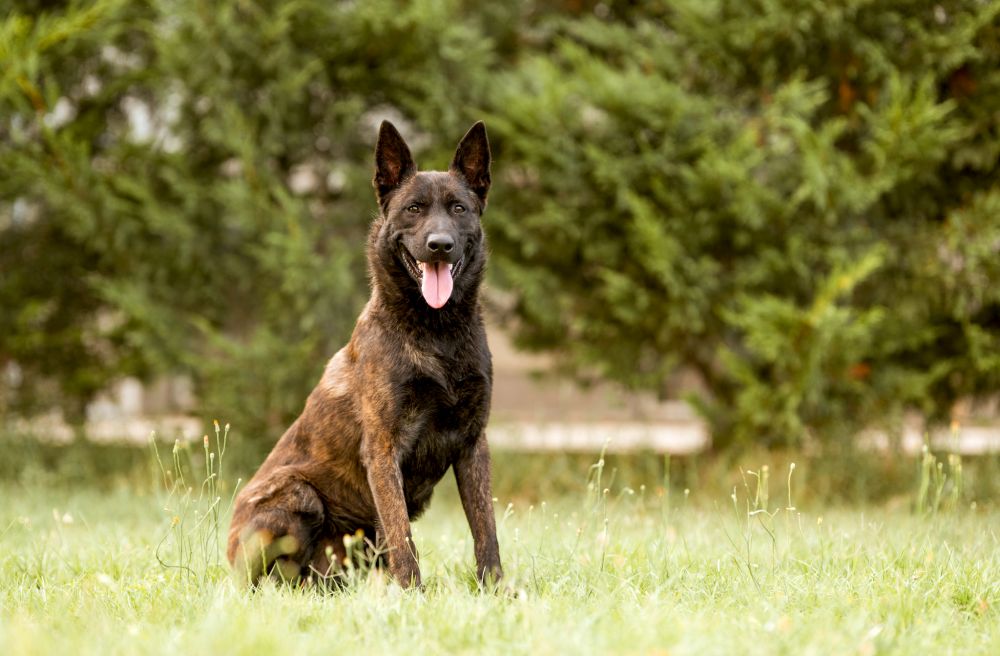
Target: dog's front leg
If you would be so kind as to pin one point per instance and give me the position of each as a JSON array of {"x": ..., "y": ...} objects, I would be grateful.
[
  {"x": 386, "y": 484},
  {"x": 472, "y": 473}
]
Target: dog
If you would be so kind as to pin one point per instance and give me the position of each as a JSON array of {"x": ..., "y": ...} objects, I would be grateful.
[{"x": 405, "y": 399}]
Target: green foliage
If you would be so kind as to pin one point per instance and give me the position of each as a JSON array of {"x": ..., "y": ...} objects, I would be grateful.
[
  {"x": 201, "y": 203},
  {"x": 798, "y": 202}
]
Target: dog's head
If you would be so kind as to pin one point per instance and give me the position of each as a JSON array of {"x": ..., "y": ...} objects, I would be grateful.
[{"x": 428, "y": 243}]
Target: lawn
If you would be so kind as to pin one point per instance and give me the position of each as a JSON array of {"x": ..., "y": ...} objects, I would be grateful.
[{"x": 631, "y": 571}]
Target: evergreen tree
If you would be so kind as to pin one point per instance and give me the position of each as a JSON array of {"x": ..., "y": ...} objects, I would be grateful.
[
  {"x": 186, "y": 186},
  {"x": 797, "y": 201}
]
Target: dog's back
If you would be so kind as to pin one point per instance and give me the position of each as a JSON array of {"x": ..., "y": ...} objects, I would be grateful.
[{"x": 407, "y": 397}]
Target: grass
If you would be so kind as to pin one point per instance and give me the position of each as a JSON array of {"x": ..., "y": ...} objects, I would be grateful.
[{"x": 602, "y": 568}]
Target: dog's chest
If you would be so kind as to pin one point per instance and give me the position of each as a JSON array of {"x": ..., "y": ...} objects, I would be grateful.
[
  {"x": 440, "y": 424},
  {"x": 441, "y": 416}
]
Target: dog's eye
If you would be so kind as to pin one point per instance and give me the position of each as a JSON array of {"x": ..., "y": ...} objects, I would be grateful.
[
  {"x": 458, "y": 208},
  {"x": 413, "y": 209}
]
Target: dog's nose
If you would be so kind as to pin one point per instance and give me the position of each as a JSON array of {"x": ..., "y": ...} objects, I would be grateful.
[{"x": 440, "y": 242}]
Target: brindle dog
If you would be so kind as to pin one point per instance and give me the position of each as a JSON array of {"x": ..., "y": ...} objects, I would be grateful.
[{"x": 407, "y": 397}]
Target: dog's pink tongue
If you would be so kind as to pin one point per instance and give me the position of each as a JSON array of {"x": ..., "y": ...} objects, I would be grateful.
[{"x": 436, "y": 283}]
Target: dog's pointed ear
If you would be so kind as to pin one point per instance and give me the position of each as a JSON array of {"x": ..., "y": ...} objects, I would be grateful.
[
  {"x": 393, "y": 162},
  {"x": 472, "y": 160}
]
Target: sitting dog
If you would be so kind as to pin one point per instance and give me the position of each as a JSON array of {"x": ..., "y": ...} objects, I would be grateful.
[{"x": 406, "y": 398}]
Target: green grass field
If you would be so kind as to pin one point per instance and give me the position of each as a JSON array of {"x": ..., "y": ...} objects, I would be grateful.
[{"x": 632, "y": 571}]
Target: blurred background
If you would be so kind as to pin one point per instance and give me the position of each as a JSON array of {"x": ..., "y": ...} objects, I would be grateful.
[{"x": 716, "y": 227}]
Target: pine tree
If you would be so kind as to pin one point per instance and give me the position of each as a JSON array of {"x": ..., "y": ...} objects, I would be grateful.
[
  {"x": 186, "y": 186},
  {"x": 798, "y": 202}
]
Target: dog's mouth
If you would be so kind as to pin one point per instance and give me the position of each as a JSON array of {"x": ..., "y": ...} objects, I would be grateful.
[{"x": 436, "y": 279}]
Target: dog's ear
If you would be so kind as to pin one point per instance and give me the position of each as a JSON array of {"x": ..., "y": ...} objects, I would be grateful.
[
  {"x": 393, "y": 162},
  {"x": 472, "y": 160}
]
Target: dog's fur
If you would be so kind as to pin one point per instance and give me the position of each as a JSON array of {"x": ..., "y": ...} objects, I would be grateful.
[{"x": 406, "y": 398}]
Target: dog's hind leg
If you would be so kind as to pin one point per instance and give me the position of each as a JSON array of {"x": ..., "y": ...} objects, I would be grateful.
[{"x": 275, "y": 529}]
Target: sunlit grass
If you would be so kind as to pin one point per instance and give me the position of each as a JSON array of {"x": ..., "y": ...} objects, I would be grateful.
[{"x": 607, "y": 570}]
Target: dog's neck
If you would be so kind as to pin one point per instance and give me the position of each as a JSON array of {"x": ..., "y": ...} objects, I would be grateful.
[{"x": 390, "y": 303}]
